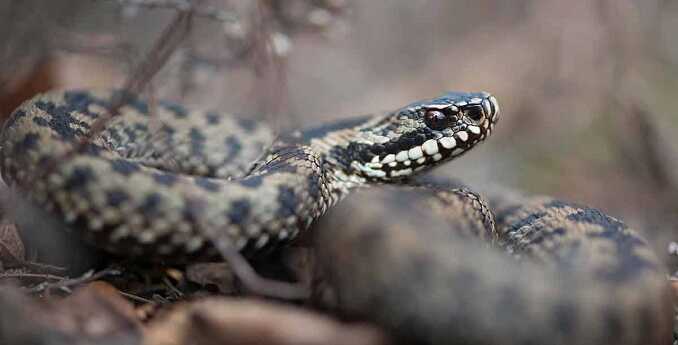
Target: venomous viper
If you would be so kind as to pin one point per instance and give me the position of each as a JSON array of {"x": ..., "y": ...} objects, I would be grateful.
[{"x": 164, "y": 182}]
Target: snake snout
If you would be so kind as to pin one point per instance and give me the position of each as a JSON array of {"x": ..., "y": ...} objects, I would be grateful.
[{"x": 491, "y": 107}]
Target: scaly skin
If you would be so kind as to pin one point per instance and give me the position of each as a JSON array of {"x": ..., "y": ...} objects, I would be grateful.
[
  {"x": 167, "y": 183},
  {"x": 422, "y": 262}
]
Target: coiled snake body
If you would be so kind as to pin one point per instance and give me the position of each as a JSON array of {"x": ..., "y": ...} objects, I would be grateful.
[{"x": 164, "y": 182}]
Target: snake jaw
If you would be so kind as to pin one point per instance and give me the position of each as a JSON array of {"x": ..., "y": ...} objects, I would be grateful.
[{"x": 424, "y": 135}]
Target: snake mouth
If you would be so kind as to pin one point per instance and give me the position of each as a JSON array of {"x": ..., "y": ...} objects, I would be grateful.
[{"x": 432, "y": 152}]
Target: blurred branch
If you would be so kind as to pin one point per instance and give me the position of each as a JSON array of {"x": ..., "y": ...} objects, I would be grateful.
[
  {"x": 169, "y": 40},
  {"x": 210, "y": 12},
  {"x": 645, "y": 150}
]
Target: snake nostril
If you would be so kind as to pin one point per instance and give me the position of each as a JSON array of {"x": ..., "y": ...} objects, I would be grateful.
[{"x": 474, "y": 112}]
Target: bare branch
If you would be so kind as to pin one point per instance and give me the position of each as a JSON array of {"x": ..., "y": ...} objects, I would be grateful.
[
  {"x": 169, "y": 40},
  {"x": 209, "y": 12}
]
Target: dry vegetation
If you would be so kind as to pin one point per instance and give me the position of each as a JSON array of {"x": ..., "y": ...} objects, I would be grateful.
[{"x": 589, "y": 114}]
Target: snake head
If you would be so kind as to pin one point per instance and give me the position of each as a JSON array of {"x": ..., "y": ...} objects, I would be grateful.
[{"x": 423, "y": 135}]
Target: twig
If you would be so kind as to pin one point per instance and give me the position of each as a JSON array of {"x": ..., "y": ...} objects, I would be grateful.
[
  {"x": 210, "y": 12},
  {"x": 169, "y": 40},
  {"x": 135, "y": 297},
  {"x": 45, "y": 276},
  {"x": 66, "y": 283},
  {"x": 256, "y": 283},
  {"x": 171, "y": 287},
  {"x": 40, "y": 267},
  {"x": 242, "y": 269}
]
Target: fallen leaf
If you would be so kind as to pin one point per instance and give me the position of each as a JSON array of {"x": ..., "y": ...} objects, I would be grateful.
[{"x": 215, "y": 321}]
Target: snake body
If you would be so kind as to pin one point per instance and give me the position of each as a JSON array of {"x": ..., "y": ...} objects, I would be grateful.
[
  {"x": 441, "y": 270},
  {"x": 163, "y": 182}
]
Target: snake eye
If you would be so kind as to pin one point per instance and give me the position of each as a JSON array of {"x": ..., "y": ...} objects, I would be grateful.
[
  {"x": 435, "y": 119},
  {"x": 474, "y": 112}
]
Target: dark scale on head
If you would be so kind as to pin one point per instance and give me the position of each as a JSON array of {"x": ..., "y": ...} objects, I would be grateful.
[
  {"x": 124, "y": 167},
  {"x": 378, "y": 149},
  {"x": 357, "y": 150},
  {"x": 406, "y": 142},
  {"x": 342, "y": 155},
  {"x": 419, "y": 138},
  {"x": 365, "y": 155},
  {"x": 392, "y": 147}
]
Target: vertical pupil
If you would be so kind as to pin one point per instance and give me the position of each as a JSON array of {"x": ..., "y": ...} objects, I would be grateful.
[{"x": 435, "y": 119}]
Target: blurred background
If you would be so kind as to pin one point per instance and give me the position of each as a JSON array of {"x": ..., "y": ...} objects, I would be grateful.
[{"x": 588, "y": 88}]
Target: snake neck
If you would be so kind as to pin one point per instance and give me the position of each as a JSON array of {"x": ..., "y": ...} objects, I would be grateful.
[{"x": 337, "y": 146}]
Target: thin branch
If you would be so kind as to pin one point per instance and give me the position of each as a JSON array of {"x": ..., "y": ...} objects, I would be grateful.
[
  {"x": 135, "y": 297},
  {"x": 255, "y": 282},
  {"x": 22, "y": 275},
  {"x": 67, "y": 283},
  {"x": 209, "y": 12},
  {"x": 169, "y": 40},
  {"x": 242, "y": 269}
]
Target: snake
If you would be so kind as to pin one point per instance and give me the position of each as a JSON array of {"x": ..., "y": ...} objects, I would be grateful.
[{"x": 164, "y": 182}]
